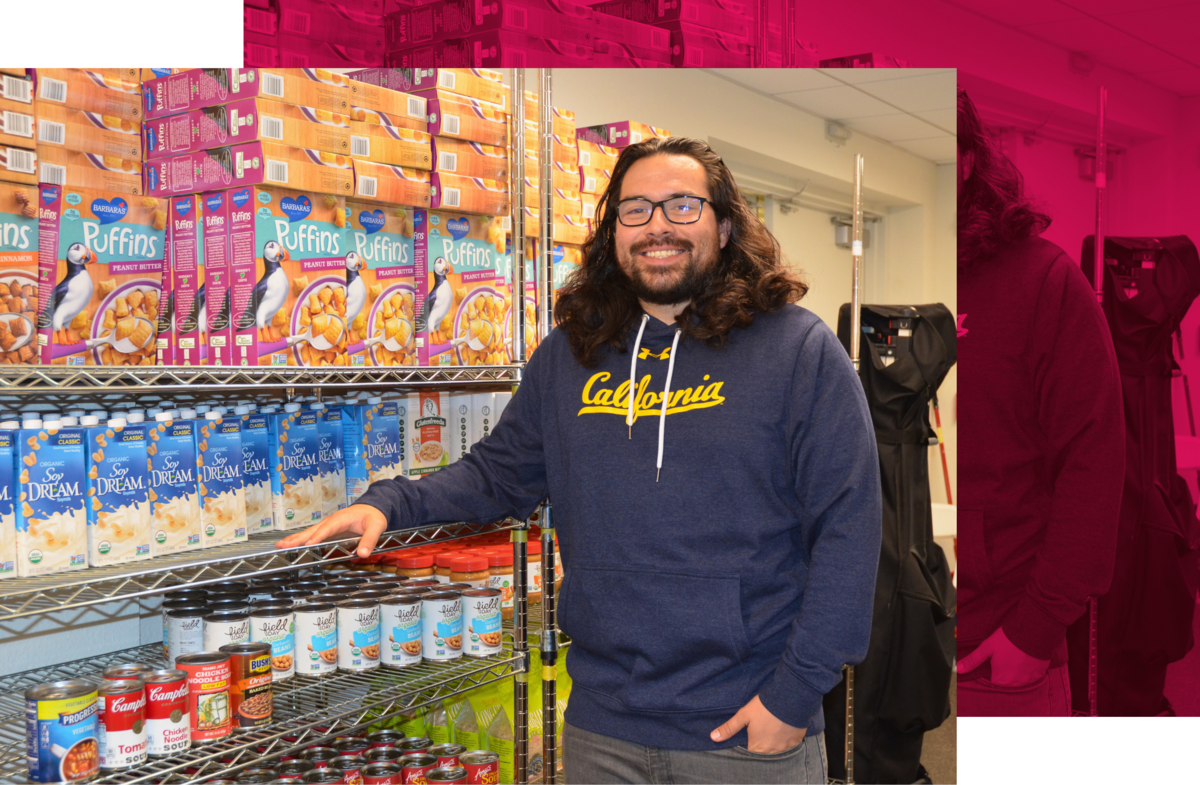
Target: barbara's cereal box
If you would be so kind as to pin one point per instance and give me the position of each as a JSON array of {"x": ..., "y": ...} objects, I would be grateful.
[
  {"x": 296, "y": 495},
  {"x": 222, "y": 494},
  {"x": 118, "y": 491},
  {"x": 8, "y": 521},
  {"x": 88, "y": 132},
  {"x": 73, "y": 169},
  {"x": 331, "y": 465},
  {"x": 379, "y": 284},
  {"x": 567, "y": 259},
  {"x": 51, "y": 519},
  {"x": 100, "y": 276},
  {"x": 455, "y": 115},
  {"x": 14, "y": 87},
  {"x": 357, "y": 24},
  {"x": 693, "y": 46},
  {"x": 18, "y": 166},
  {"x": 250, "y": 164},
  {"x": 621, "y": 134},
  {"x": 247, "y": 120},
  {"x": 197, "y": 88},
  {"x": 392, "y": 184},
  {"x": 482, "y": 83},
  {"x": 174, "y": 490},
  {"x": 384, "y": 440},
  {"x": 18, "y": 274},
  {"x": 394, "y": 78},
  {"x": 596, "y": 155},
  {"x": 18, "y": 125},
  {"x": 90, "y": 90},
  {"x": 364, "y": 115},
  {"x": 256, "y": 471},
  {"x": 217, "y": 322},
  {"x": 388, "y": 101},
  {"x": 187, "y": 342},
  {"x": 594, "y": 180},
  {"x": 469, "y": 194},
  {"x": 429, "y": 432},
  {"x": 460, "y": 304},
  {"x": 390, "y": 144},
  {"x": 443, "y": 20},
  {"x": 470, "y": 159}
]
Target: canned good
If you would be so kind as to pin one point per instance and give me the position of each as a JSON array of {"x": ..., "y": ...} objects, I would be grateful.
[
  {"x": 383, "y": 754},
  {"x": 482, "y": 766},
  {"x": 242, "y": 604},
  {"x": 224, "y": 627},
  {"x": 122, "y": 724},
  {"x": 383, "y": 738},
  {"x": 234, "y": 596},
  {"x": 447, "y": 754},
  {"x": 345, "y": 589},
  {"x": 383, "y": 773},
  {"x": 309, "y": 586},
  {"x": 256, "y": 775},
  {"x": 270, "y": 602},
  {"x": 189, "y": 593},
  {"x": 185, "y": 631},
  {"x": 323, "y": 776},
  {"x": 441, "y": 626},
  {"x": 220, "y": 587},
  {"x": 481, "y": 622},
  {"x": 316, "y": 638},
  {"x": 249, "y": 684},
  {"x": 447, "y": 775},
  {"x": 351, "y": 767},
  {"x": 415, "y": 767},
  {"x": 319, "y": 757},
  {"x": 421, "y": 583},
  {"x": 169, "y": 605},
  {"x": 352, "y": 745},
  {"x": 168, "y": 724},
  {"x": 385, "y": 580},
  {"x": 358, "y": 634},
  {"x": 61, "y": 731},
  {"x": 292, "y": 594},
  {"x": 273, "y": 625},
  {"x": 293, "y": 770},
  {"x": 263, "y": 590},
  {"x": 400, "y": 621},
  {"x": 208, "y": 695},
  {"x": 372, "y": 593},
  {"x": 134, "y": 670},
  {"x": 459, "y": 587},
  {"x": 414, "y": 744}
]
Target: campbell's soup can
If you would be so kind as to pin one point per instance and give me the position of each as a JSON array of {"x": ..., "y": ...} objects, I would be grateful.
[
  {"x": 382, "y": 773},
  {"x": 447, "y": 775},
  {"x": 130, "y": 672},
  {"x": 400, "y": 630},
  {"x": 358, "y": 634},
  {"x": 441, "y": 626},
  {"x": 61, "y": 731},
  {"x": 482, "y": 767},
  {"x": 351, "y": 767},
  {"x": 250, "y": 776},
  {"x": 414, "y": 767},
  {"x": 316, "y": 639},
  {"x": 293, "y": 770},
  {"x": 481, "y": 622},
  {"x": 208, "y": 695},
  {"x": 168, "y": 724},
  {"x": 122, "y": 724},
  {"x": 447, "y": 754},
  {"x": 224, "y": 627},
  {"x": 249, "y": 685}
]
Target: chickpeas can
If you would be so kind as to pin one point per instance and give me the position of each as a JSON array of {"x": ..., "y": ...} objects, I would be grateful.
[
  {"x": 62, "y": 731},
  {"x": 358, "y": 635},
  {"x": 274, "y": 626},
  {"x": 122, "y": 724},
  {"x": 441, "y": 626},
  {"x": 400, "y": 622},
  {"x": 209, "y": 675},
  {"x": 249, "y": 685},
  {"x": 482, "y": 767},
  {"x": 168, "y": 723},
  {"x": 185, "y": 631},
  {"x": 316, "y": 639},
  {"x": 481, "y": 622}
]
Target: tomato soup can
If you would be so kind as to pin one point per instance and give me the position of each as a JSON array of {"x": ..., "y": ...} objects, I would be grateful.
[
  {"x": 323, "y": 776},
  {"x": 358, "y": 634},
  {"x": 481, "y": 622},
  {"x": 383, "y": 738},
  {"x": 122, "y": 724},
  {"x": 414, "y": 767},
  {"x": 352, "y": 745},
  {"x": 447, "y": 775},
  {"x": 62, "y": 731},
  {"x": 319, "y": 757},
  {"x": 130, "y": 672},
  {"x": 351, "y": 767},
  {"x": 383, "y": 755},
  {"x": 382, "y": 773},
  {"x": 208, "y": 695},
  {"x": 250, "y": 776},
  {"x": 441, "y": 626},
  {"x": 249, "y": 685},
  {"x": 168, "y": 724},
  {"x": 483, "y": 767},
  {"x": 447, "y": 754}
]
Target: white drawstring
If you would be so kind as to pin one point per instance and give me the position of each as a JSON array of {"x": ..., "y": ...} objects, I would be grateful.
[
  {"x": 662, "y": 417},
  {"x": 633, "y": 371}
]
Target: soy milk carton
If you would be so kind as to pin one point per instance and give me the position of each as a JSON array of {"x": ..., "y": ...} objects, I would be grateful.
[
  {"x": 353, "y": 449},
  {"x": 51, "y": 519},
  {"x": 8, "y": 521},
  {"x": 296, "y": 499},
  {"x": 331, "y": 465},
  {"x": 118, "y": 490},
  {"x": 380, "y": 291},
  {"x": 383, "y": 440},
  {"x": 19, "y": 273},
  {"x": 174, "y": 490},
  {"x": 256, "y": 471},
  {"x": 222, "y": 493},
  {"x": 428, "y": 426}
]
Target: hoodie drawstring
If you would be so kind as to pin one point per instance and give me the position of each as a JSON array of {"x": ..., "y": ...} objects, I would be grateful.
[
  {"x": 633, "y": 371},
  {"x": 662, "y": 416}
]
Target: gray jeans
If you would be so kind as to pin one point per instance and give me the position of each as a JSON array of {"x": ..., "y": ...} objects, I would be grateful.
[{"x": 592, "y": 759}]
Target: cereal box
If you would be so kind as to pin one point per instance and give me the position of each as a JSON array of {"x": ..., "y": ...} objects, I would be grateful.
[
  {"x": 638, "y": 35},
  {"x": 185, "y": 342},
  {"x": 73, "y": 169},
  {"x": 118, "y": 488},
  {"x": 609, "y": 55},
  {"x": 389, "y": 144},
  {"x": 379, "y": 284},
  {"x": 388, "y": 101},
  {"x": 99, "y": 292},
  {"x": 18, "y": 126},
  {"x": 567, "y": 259},
  {"x": 51, "y": 519},
  {"x": 394, "y": 78},
  {"x": 482, "y": 83},
  {"x": 392, "y": 184},
  {"x": 250, "y": 164},
  {"x": 174, "y": 490},
  {"x": 293, "y": 51},
  {"x": 216, "y": 322},
  {"x": 197, "y": 88},
  {"x": 256, "y": 471},
  {"x": 600, "y": 156},
  {"x": 620, "y": 134},
  {"x": 712, "y": 14},
  {"x": 91, "y": 91},
  {"x": 331, "y": 465},
  {"x": 18, "y": 166},
  {"x": 16, "y": 88},
  {"x": 247, "y": 120},
  {"x": 470, "y": 159},
  {"x": 8, "y": 521},
  {"x": 357, "y": 24},
  {"x": 451, "y": 114},
  {"x": 353, "y": 449},
  {"x": 384, "y": 428},
  {"x": 146, "y": 74},
  {"x": 443, "y": 20},
  {"x": 694, "y": 46},
  {"x": 88, "y": 132},
  {"x": 222, "y": 493},
  {"x": 591, "y": 203},
  {"x": 18, "y": 274},
  {"x": 867, "y": 60},
  {"x": 363, "y": 115},
  {"x": 459, "y": 302},
  {"x": 624, "y": 50},
  {"x": 562, "y": 120},
  {"x": 296, "y": 497},
  {"x": 507, "y": 48},
  {"x": 469, "y": 194},
  {"x": 593, "y": 180},
  {"x": 428, "y": 429}
]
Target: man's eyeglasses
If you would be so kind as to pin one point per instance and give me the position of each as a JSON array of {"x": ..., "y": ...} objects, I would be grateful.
[{"x": 678, "y": 210}]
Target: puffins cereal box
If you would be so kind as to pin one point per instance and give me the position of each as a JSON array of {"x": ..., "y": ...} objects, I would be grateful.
[
  {"x": 174, "y": 491},
  {"x": 118, "y": 488},
  {"x": 296, "y": 496},
  {"x": 186, "y": 341},
  {"x": 8, "y": 521},
  {"x": 99, "y": 276},
  {"x": 222, "y": 494},
  {"x": 18, "y": 274},
  {"x": 256, "y": 471},
  {"x": 379, "y": 284},
  {"x": 197, "y": 88},
  {"x": 51, "y": 518},
  {"x": 216, "y": 323},
  {"x": 247, "y": 120}
]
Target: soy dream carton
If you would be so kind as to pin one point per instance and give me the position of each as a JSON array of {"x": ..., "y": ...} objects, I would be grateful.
[
  {"x": 332, "y": 466},
  {"x": 118, "y": 490},
  {"x": 8, "y": 522},
  {"x": 107, "y": 252},
  {"x": 51, "y": 519},
  {"x": 380, "y": 293},
  {"x": 18, "y": 273},
  {"x": 222, "y": 492},
  {"x": 384, "y": 445},
  {"x": 256, "y": 471},
  {"x": 296, "y": 500},
  {"x": 174, "y": 489}
]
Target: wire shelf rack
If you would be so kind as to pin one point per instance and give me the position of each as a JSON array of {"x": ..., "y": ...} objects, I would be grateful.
[
  {"x": 256, "y": 557},
  {"x": 306, "y": 709}
]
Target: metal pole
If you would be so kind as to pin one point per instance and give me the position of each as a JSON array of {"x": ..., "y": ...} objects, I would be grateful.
[
  {"x": 850, "y": 725},
  {"x": 1101, "y": 188},
  {"x": 517, "y": 212},
  {"x": 856, "y": 252},
  {"x": 520, "y": 538},
  {"x": 1092, "y": 664},
  {"x": 549, "y": 651},
  {"x": 546, "y": 184}
]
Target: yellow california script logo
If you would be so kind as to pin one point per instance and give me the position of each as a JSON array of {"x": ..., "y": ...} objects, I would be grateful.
[{"x": 603, "y": 400}]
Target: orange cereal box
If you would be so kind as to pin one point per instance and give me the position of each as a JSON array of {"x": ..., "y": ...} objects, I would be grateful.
[
  {"x": 18, "y": 274},
  {"x": 391, "y": 184},
  {"x": 17, "y": 124},
  {"x": 73, "y": 169},
  {"x": 379, "y": 284},
  {"x": 92, "y": 90},
  {"x": 389, "y": 144},
  {"x": 88, "y": 132}
]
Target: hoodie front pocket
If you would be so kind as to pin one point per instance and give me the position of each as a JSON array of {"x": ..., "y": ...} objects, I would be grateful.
[
  {"x": 973, "y": 568},
  {"x": 657, "y": 642}
]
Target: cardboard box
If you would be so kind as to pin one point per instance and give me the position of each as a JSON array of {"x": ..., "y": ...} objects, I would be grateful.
[
  {"x": 173, "y": 479},
  {"x": 562, "y": 120},
  {"x": 8, "y": 520},
  {"x": 621, "y": 134},
  {"x": 254, "y": 163},
  {"x": 867, "y": 60},
  {"x": 508, "y": 49},
  {"x": 388, "y": 101},
  {"x": 17, "y": 72},
  {"x": 358, "y": 24},
  {"x": 291, "y": 51},
  {"x": 18, "y": 125},
  {"x": 198, "y": 88},
  {"x": 391, "y": 184},
  {"x": 217, "y": 322},
  {"x": 479, "y": 83},
  {"x": 91, "y": 91},
  {"x": 593, "y": 180},
  {"x": 600, "y": 156},
  {"x": 50, "y": 508},
  {"x": 379, "y": 284},
  {"x": 731, "y": 18},
  {"x": 469, "y": 159},
  {"x": 389, "y": 144},
  {"x": 565, "y": 229},
  {"x": 357, "y": 113},
  {"x": 18, "y": 275},
  {"x": 631, "y": 52},
  {"x": 428, "y": 426},
  {"x": 591, "y": 205},
  {"x": 694, "y": 46},
  {"x": 530, "y": 300},
  {"x": 455, "y": 115},
  {"x": 247, "y": 120},
  {"x": 88, "y": 132},
  {"x": 636, "y": 35},
  {"x": 110, "y": 254},
  {"x": 118, "y": 485},
  {"x": 394, "y": 78},
  {"x": 16, "y": 88},
  {"x": 443, "y": 20},
  {"x": 18, "y": 165},
  {"x": 222, "y": 490},
  {"x": 260, "y": 21},
  {"x": 146, "y": 74},
  {"x": 73, "y": 169},
  {"x": 183, "y": 288},
  {"x": 469, "y": 194},
  {"x": 567, "y": 259}
]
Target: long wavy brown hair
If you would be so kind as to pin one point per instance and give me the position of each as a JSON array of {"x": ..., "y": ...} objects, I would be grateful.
[
  {"x": 597, "y": 305},
  {"x": 993, "y": 210}
]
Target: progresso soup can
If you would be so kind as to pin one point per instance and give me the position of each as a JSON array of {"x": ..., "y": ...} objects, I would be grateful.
[{"x": 62, "y": 731}]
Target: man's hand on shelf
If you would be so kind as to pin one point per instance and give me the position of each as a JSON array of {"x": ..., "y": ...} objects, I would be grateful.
[{"x": 361, "y": 519}]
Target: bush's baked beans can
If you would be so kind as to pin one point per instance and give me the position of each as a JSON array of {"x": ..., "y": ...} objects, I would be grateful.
[
  {"x": 122, "y": 724},
  {"x": 482, "y": 766},
  {"x": 319, "y": 757},
  {"x": 130, "y": 672},
  {"x": 358, "y": 634},
  {"x": 383, "y": 738},
  {"x": 208, "y": 695},
  {"x": 400, "y": 630},
  {"x": 350, "y": 766},
  {"x": 249, "y": 685},
  {"x": 293, "y": 770},
  {"x": 414, "y": 744},
  {"x": 414, "y": 767},
  {"x": 481, "y": 622},
  {"x": 441, "y": 626},
  {"x": 61, "y": 731},
  {"x": 273, "y": 625},
  {"x": 224, "y": 627},
  {"x": 383, "y": 755},
  {"x": 168, "y": 724},
  {"x": 316, "y": 639},
  {"x": 447, "y": 775},
  {"x": 447, "y": 754},
  {"x": 382, "y": 773},
  {"x": 323, "y": 776},
  {"x": 185, "y": 631}
]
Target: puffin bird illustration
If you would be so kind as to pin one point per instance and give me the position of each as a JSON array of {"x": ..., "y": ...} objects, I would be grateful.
[
  {"x": 356, "y": 287},
  {"x": 73, "y": 293},
  {"x": 440, "y": 298},
  {"x": 271, "y": 292}
]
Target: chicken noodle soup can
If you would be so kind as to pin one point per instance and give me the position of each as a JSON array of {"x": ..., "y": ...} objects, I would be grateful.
[
  {"x": 400, "y": 620},
  {"x": 481, "y": 622},
  {"x": 249, "y": 684},
  {"x": 316, "y": 639},
  {"x": 358, "y": 634},
  {"x": 62, "y": 731},
  {"x": 122, "y": 724},
  {"x": 273, "y": 625},
  {"x": 168, "y": 724},
  {"x": 224, "y": 627},
  {"x": 482, "y": 766},
  {"x": 441, "y": 625},
  {"x": 208, "y": 695}
]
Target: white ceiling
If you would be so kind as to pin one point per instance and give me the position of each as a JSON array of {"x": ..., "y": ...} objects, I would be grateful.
[
  {"x": 913, "y": 108},
  {"x": 1156, "y": 40}
]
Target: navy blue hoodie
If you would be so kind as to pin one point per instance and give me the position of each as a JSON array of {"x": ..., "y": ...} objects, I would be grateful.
[{"x": 746, "y": 569}]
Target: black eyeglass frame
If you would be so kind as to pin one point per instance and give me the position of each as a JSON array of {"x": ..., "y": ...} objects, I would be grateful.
[{"x": 663, "y": 205}]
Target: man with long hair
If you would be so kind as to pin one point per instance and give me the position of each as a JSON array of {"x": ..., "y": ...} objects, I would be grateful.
[
  {"x": 1042, "y": 459},
  {"x": 710, "y": 456}
]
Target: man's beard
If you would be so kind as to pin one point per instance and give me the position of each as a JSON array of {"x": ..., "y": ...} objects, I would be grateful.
[{"x": 694, "y": 280}]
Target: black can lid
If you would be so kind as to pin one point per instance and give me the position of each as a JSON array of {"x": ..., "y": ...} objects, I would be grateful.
[
  {"x": 187, "y": 611},
  {"x": 227, "y": 615},
  {"x": 314, "y": 607}
]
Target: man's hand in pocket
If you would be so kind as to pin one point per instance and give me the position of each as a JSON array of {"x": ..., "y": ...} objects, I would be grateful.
[{"x": 1011, "y": 667}]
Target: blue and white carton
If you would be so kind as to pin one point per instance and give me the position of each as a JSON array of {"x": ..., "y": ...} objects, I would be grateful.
[
  {"x": 50, "y": 508},
  {"x": 332, "y": 465},
  {"x": 118, "y": 493},
  {"x": 8, "y": 520},
  {"x": 222, "y": 494},
  {"x": 352, "y": 449},
  {"x": 256, "y": 469},
  {"x": 174, "y": 487},
  {"x": 296, "y": 498},
  {"x": 383, "y": 437}
]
